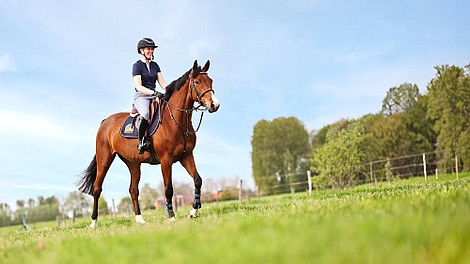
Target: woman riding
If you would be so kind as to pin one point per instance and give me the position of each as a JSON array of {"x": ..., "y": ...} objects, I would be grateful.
[{"x": 146, "y": 73}]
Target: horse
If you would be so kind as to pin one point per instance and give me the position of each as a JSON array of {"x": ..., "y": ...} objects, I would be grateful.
[{"x": 174, "y": 141}]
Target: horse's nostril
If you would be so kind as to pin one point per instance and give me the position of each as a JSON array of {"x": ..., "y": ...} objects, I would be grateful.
[{"x": 214, "y": 107}]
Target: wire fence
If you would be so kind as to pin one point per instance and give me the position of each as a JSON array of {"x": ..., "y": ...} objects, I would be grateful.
[{"x": 416, "y": 165}]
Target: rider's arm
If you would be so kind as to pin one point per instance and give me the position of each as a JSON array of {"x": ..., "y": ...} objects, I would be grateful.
[
  {"x": 161, "y": 80},
  {"x": 140, "y": 88}
]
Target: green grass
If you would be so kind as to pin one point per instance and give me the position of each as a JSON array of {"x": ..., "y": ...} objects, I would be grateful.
[{"x": 408, "y": 221}]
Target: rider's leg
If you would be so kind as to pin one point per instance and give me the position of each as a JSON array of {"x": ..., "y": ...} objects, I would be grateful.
[
  {"x": 143, "y": 142},
  {"x": 142, "y": 104}
]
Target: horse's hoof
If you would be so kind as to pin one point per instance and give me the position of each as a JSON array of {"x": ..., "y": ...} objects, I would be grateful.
[
  {"x": 170, "y": 214},
  {"x": 139, "y": 219},
  {"x": 172, "y": 219},
  {"x": 93, "y": 224},
  {"x": 193, "y": 213}
]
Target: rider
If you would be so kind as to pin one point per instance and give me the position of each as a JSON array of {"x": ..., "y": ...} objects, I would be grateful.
[{"x": 146, "y": 73}]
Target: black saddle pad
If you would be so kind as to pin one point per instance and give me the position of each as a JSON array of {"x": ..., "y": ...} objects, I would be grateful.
[{"x": 129, "y": 130}]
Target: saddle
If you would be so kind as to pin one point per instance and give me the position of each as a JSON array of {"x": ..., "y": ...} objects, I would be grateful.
[{"x": 129, "y": 129}]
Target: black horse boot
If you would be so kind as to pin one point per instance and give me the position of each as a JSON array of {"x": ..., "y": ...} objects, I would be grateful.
[{"x": 143, "y": 142}]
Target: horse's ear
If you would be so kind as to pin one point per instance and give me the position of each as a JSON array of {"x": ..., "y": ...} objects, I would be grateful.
[
  {"x": 194, "y": 69},
  {"x": 206, "y": 67}
]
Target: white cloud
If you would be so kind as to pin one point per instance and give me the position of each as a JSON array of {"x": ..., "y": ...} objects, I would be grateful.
[
  {"x": 18, "y": 123},
  {"x": 6, "y": 63}
]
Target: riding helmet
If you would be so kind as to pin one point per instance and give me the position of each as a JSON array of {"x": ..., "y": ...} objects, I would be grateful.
[{"x": 145, "y": 42}]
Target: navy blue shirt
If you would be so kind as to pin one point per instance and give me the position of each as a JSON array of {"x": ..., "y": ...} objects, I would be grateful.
[{"x": 149, "y": 78}]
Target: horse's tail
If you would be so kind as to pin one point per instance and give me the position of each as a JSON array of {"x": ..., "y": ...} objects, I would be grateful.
[{"x": 87, "y": 178}]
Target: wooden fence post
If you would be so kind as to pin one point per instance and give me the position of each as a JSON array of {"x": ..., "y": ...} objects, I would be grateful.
[
  {"x": 437, "y": 177},
  {"x": 114, "y": 209},
  {"x": 240, "y": 192},
  {"x": 309, "y": 178},
  {"x": 457, "y": 166},
  {"x": 424, "y": 168}
]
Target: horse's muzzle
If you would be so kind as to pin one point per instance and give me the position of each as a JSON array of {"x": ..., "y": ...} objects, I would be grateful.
[{"x": 214, "y": 105}]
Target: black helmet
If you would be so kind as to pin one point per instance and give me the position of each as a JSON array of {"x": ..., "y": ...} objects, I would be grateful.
[{"x": 145, "y": 42}]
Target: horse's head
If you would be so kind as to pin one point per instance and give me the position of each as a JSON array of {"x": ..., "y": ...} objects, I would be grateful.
[{"x": 201, "y": 87}]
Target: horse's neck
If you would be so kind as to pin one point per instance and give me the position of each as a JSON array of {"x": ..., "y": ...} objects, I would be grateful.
[{"x": 181, "y": 99}]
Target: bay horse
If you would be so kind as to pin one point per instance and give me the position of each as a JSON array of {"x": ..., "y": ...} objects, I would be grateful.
[{"x": 173, "y": 141}]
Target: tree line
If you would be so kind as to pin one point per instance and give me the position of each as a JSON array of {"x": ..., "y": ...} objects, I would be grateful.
[
  {"x": 338, "y": 154},
  {"x": 77, "y": 204}
]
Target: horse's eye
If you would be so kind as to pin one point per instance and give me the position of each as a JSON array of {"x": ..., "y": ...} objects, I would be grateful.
[{"x": 197, "y": 82}]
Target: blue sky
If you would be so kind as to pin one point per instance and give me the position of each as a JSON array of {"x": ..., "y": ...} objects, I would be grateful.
[{"x": 65, "y": 66}]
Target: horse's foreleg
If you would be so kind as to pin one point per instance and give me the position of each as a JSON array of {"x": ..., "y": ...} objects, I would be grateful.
[
  {"x": 190, "y": 166},
  {"x": 167, "y": 182},
  {"x": 134, "y": 169}
]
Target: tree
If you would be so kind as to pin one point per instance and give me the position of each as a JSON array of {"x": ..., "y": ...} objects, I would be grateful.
[
  {"x": 449, "y": 106},
  {"x": 52, "y": 200},
  {"x": 420, "y": 126},
  {"x": 261, "y": 156},
  {"x": 5, "y": 214},
  {"x": 20, "y": 203},
  {"x": 77, "y": 202},
  {"x": 125, "y": 205},
  {"x": 339, "y": 160},
  {"x": 31, "y": 203},
  {"x": 103, "y": 208},
  {"x": 41, "y": 200},
  {"x": 147, "y": 197},
  {"x": 370, "y": 147},
  {"x": 279, "y": 154},
  {"x": 400, "y": 99}
]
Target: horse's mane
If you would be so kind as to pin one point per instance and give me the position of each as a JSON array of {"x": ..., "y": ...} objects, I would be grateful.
[{"x": 178, "y": 83}]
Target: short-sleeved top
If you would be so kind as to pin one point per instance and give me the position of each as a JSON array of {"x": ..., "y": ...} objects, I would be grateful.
[{"x": 149, "y": 78}]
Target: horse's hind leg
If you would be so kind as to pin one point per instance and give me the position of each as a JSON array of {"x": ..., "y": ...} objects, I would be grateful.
[
  {"x": 190, "y": 166},
  {"x": 103, "y": 162},
  {"x": 134, "y": 169}
]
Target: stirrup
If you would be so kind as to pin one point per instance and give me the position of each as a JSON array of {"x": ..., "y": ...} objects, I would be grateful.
[{"x": 143, "y": 146}]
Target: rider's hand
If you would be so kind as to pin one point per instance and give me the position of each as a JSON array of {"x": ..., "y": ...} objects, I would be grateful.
[{"x": 158, "y": 94}]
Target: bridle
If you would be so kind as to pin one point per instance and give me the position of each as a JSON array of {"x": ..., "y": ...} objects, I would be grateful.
[
  {"x": 188, "y": 111},
  {"x": 198, "y": 96}
]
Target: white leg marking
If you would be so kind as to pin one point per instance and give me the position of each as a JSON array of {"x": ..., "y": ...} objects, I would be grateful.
[
  {"x": 193, "y": 213},
  {"x": 93, "y": 223},
  {"x": 139, "y": 219}
]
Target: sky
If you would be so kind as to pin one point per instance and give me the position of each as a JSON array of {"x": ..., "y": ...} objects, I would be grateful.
[{"x": 66, "y": 65}]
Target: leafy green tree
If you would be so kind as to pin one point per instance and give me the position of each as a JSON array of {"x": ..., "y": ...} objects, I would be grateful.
[
  {"x": 420, "y": 126},
  {"x": 370, "y": 147},
  {"x": 260, "y": 155},
  {"x": 5, "y": 214},
  {"x": 20, "y": 203},
  {"x": 400, "y": 99},
  {"x": 41, "y": 200},
  {"x": 147, "y": 197},
  {"x": 339, "y": 160},
  {"x": 449, "y": 106},
  {"x": 103, "y": 208},
  {"x": 279, "y": 155},
  {"x": 78, "y": 202},
  {"x": 125, "y": 205}
]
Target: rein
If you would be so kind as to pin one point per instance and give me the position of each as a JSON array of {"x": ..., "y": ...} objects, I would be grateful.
[{"x": 188, "y": 111}]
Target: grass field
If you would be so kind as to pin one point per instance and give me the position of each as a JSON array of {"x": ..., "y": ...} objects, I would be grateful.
[{"x": 407, "y": 221}]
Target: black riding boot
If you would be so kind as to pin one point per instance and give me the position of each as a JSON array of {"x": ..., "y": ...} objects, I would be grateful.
[{"x": 143, "y": 142}]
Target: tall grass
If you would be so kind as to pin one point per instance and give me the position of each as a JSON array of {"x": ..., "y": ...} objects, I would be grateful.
[{"x": 401, "y": 222}]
